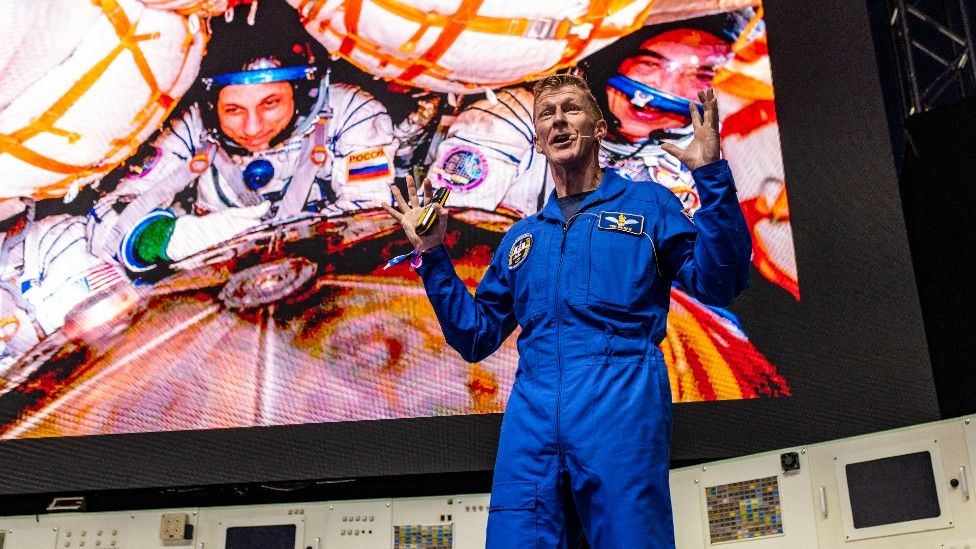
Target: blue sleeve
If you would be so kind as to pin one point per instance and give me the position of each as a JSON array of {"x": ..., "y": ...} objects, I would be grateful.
[
  {"x": 475, "y": 326},
  {"x": 710, "y": 257}
]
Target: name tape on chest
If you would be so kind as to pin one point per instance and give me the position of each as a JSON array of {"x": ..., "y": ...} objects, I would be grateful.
[
  {"x": 623, "y": 222},
  {"x": 519, "y": 251}
]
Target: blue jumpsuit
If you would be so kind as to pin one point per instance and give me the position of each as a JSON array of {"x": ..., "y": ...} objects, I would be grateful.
[{"x": 589, "y": 416}]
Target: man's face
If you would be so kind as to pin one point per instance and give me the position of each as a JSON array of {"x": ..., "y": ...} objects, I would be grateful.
[
  {"x": 254, "y": 114},
  {"x": 566, "y": 132},
  {"x": 678, "y": 69}
]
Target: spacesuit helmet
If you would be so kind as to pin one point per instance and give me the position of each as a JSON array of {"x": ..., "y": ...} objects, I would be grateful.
[{"x": 270, "y": 50}]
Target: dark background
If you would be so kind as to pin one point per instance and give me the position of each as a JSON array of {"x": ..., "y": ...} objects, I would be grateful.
[{"x": 853, "y": 349}]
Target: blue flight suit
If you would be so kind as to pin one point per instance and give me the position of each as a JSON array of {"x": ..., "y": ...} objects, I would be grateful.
[{"x": 589, "y": 416}]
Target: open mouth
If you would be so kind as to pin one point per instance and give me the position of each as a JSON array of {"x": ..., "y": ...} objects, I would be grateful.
[{"x": 561, "y": 139}]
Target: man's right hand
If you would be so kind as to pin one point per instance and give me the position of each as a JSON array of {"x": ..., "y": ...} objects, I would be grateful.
[{"x": 407, "y": 212}]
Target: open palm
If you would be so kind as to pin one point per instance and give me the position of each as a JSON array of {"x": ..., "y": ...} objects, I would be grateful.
[
  {"x": 408, "y": 211},
  {"x": 705, "y": 147}
]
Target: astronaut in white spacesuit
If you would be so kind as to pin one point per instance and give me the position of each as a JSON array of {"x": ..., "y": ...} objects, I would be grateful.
[
  {"x": 273, "y": 140},
  {"x": 488, "y": 159},
  {"x": 45, "y": 270}
]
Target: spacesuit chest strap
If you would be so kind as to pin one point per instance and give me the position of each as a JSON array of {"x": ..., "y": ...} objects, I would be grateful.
[
  {"x": 309, "y": 161},
  {"x": 232, "y": 174}
]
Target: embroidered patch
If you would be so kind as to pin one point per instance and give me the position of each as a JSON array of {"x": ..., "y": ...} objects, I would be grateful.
[
  {"x": 140, "y": 167},
  {"x": 368, "y": 165},
  {"x": 462, "y": 168},
  {"x": 520, "y": 251},
  {"x": 624, "y": 222}
]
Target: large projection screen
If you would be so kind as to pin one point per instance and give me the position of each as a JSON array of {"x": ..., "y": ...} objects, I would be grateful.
[{"x": 269, "y": 344}]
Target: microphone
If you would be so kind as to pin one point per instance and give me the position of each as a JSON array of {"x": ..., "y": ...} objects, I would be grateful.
[{"x": 574, "y": 137}]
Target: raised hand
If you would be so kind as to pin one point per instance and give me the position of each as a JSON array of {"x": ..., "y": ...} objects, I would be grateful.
[
  {"x": 705, "y": 147},
  {"x": 407, "y": 212}
]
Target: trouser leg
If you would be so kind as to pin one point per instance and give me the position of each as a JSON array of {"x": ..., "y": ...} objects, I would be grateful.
[
  {"x": 619, "y": 457},
  {"x": 530, "y": 489}
]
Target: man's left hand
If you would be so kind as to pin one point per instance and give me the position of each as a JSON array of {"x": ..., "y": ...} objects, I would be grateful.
[{"x": 705, "y": 147}]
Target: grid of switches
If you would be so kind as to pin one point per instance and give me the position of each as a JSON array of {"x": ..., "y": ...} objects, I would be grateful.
[
  {"x": 357, "y": 531},
  {"x": 82, "y": 539}
]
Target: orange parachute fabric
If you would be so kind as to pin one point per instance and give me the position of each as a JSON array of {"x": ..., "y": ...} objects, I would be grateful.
[{"x": 85, "y": 83}]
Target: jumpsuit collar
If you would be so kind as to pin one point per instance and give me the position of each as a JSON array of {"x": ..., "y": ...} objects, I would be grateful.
[{"x": 611, "y": 186}]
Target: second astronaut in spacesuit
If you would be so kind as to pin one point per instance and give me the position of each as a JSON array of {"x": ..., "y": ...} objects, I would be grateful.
[
  {"x": 273, "y": 139},
  {"x": 648, "y": 98}
]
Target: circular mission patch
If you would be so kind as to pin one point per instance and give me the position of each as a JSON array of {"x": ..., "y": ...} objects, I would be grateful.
[{"x": 520, "y": 250}]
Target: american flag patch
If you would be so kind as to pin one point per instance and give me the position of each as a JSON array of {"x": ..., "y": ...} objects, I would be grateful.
[
  {"x": 102, "y": 276},
  {"x": 367, "y": 165}
]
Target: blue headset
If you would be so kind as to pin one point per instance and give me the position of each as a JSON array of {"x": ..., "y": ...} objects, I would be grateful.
[{"x": 261, "y": 76}]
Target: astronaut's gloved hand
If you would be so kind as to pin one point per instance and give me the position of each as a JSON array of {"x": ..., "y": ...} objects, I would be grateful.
[{"x": 193, "y": 234}]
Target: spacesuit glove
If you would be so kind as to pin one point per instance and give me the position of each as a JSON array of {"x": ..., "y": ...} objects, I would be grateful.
[{"x": 193, "y": 234}]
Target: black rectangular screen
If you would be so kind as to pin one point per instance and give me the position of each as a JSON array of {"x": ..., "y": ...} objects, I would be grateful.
[
  {"x": 893, "y": 489},
  {"x": 278, "y": 536}
]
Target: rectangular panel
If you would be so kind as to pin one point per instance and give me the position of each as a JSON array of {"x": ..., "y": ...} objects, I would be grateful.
[
  {"x": 24, "y": 533},
  {"x": 358, "y": 525},
  {"x": 254, "y": 526},
  {"x": 751, "y": 502},
  {"x": 744, "y": 510},
  {"x": 272, "y": 536},
  {"x": 894, "y": 489},
  {"x": 423, "y": 536},
  {"x": 459, "y": 520}
]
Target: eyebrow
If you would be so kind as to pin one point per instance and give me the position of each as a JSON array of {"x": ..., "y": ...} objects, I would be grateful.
[
  {"x": 658, "y": 57},
  {"x": 549, "y": 102},
  {"x": 274, "y": 95},
  {"x": 651, "y": 53}
]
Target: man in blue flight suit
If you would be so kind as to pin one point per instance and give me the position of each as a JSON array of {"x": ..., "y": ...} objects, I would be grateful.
[{"x": 587, "y": 428}]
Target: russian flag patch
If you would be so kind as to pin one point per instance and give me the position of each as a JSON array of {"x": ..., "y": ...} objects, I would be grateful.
[{"x": 368, "y": 165}]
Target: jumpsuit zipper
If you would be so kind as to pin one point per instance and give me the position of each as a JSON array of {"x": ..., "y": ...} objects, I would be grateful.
[{"x": 559, "y": 365}]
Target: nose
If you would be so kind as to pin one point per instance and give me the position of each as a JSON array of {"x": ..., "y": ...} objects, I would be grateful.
[
  {"x": 253, "y": 124},
  {"x": 672, "y": 82},
  {"x": 558, "y": 117}
]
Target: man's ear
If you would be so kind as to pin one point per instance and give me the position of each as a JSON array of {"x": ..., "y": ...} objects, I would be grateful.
[
  {"x": 538, "y": 147},
  {"x": 601, "y": 129}
]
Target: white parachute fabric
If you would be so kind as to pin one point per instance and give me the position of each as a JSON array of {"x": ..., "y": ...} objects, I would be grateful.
[
  {"x": 751, "y": 143},
  {"x": 36, "y": 41},
  {"x": 677, "y": 10},
  {"x": 465, "y": 46},
  {"x": 89, "y": 82}
]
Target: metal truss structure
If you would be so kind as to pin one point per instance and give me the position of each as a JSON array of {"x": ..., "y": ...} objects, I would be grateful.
[{"x": 935, "y": 53}]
